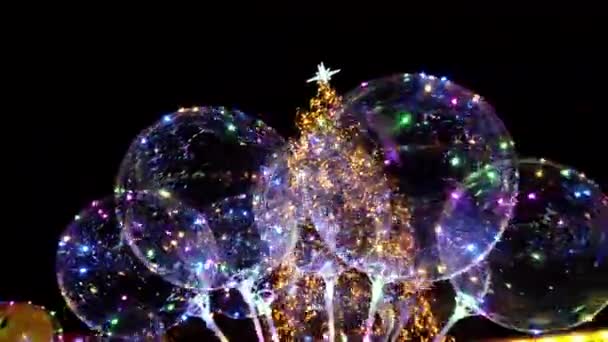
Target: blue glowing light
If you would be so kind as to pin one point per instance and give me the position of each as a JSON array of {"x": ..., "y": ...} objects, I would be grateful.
[
  {"x": 84, "y": 249},
  {"x": 471, "y": 247},
  {"x": 143, "y": 141},
  {"x": 577, "y": 194},
  {"x": 443, "y": 79},
  {"x": 82, "y": 270},
  {"x": 167, "y": 118}
]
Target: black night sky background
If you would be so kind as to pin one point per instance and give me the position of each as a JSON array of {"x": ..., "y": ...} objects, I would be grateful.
[{"x": 79, "y": 93}]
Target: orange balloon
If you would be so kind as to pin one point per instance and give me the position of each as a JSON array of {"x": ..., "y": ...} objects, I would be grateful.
[{"x": 24, "y": 322}]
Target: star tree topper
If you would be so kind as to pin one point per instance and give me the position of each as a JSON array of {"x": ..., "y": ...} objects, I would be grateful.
[{"x": 323, "y": 75}]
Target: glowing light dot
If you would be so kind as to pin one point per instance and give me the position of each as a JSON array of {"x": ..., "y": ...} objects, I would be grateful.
[
  {"x": 577, "y": 194},
  {"x": 164, "y": 193},
  {"x": 93, "y": 290},
  {"x": 536, "y": 256},
  {"x": 455, "y": 195},
  {"x": 167, "y": 118},
  {"x": 587, "y": 192},
  {"x": 181, "y": 234},
  {"x": 443, "y": 79},
  {"x": 455, "y": 161},
  {"x": 428, "y": 88},
  {"x": 123, "y": 297},
  {"x": 532, "y": 196},
  {"x": 565, "y": 173},
  {"x": 150, "y": 253},
  {"x": 454, "y": 101},
  {"x": 84, "y": 249},
  {"x": 114, "y": 321},
  {"x": 471, "y": 247},
  {"x": 231, "y": 127},
  {"x": 364, "y": 84},
  {"x": 539, "y": 173},
  {"x": 173, "y": 243},
  {"x": 504, "y": 145},
  {"x": 474, "y": 279},
  {"x": 66, "y": 238},
  {"x": 492, "y": 175},
  {"x": 405, "y": 119},
  {"x": 143, "y": 141},
  {"x": 184, "y": 317},
  {"x": 171, "y": 307},
  {"x": 476, "y": 98},
  {"x": 82, "y": 270},
  {"x": 77, "y": 217}
]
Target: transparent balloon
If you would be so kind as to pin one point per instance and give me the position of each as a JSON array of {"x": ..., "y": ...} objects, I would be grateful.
[
  {"x": 105, "y": 286},
  {"x": 171, "y": 239},
  {"x": 550, "y": 269},
  {"x": 431, "y": 135},
  {"x": 211, "y": 159},
  {"x": 284, "y": 198}
]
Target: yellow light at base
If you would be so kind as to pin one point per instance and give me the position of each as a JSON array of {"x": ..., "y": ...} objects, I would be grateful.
[{"x": 596, "y": 336}]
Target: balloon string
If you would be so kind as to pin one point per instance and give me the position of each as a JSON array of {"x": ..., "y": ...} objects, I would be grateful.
[
  {"x": 329, "y": 307},
  {"x": 377, "y": 291},
  {"x": 453, "y": 319},
  {"x": 266, "y": 311},
  {"x": 248, "y": 297},
  {"x": 390, "y": 327},
  {"x": 207, "y": 317},
  {"x": 403, "y": 317},
  {"x": 273, "y": 330}
]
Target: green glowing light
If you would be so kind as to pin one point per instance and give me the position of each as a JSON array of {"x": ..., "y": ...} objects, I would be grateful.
[
  {"x": 114, "y": 321},
  {"x": 504, "y": 145},
  {"x": 565, "y": 173},
  {"x": 536, "y": 256},
  {"x": 150, "y": 253},
  {"x": 455, "y": 161},
  {"x": 492, "y": 175},
  {"x": 405, "y": 119},
  {"x": 170, "y": 307},
  {"x": 231, "y": 127}
]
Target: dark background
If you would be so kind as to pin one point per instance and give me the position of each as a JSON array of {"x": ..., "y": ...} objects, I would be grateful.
[{"x": 78, "y": 93}]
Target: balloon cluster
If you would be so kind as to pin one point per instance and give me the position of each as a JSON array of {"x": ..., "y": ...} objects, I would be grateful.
[{"x": 408, "y": 180}]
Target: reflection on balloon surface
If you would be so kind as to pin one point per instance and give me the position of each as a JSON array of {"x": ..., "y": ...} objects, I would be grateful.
[{"x": 105, "y": 286}]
